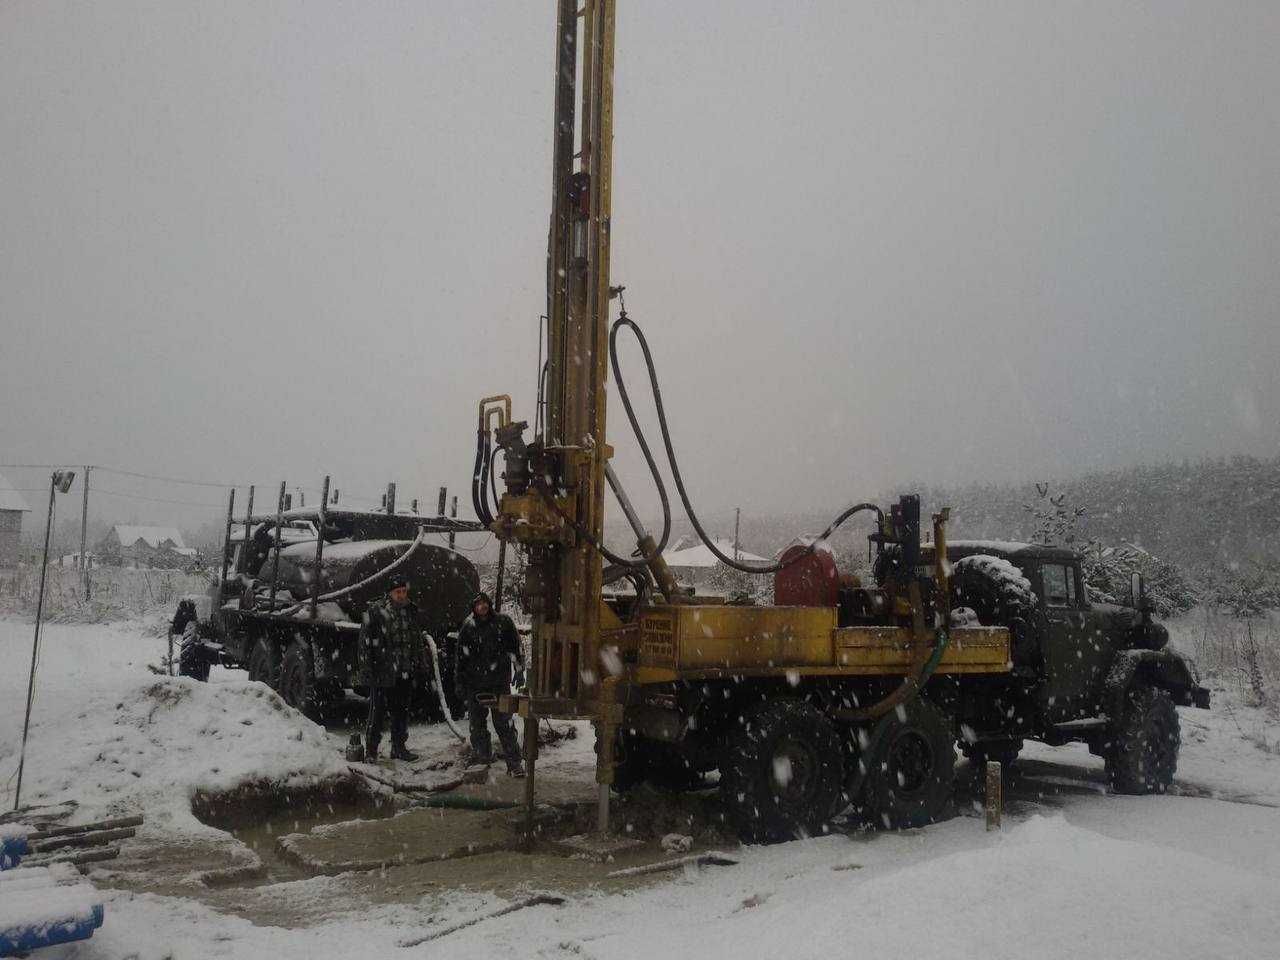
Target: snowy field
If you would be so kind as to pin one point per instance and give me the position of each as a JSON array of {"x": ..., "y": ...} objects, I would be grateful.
[{"x": 1076, "y": 873}]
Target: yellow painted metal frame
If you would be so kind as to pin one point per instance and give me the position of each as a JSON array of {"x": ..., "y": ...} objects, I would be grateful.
[{"x": 702, "y": 642}]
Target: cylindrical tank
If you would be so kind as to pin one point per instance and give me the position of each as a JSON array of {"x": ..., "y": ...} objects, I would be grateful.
[{"x": 441, "y": 581}]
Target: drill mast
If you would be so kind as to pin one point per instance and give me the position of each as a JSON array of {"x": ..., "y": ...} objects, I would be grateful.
[{"x": 567, "y": 614}]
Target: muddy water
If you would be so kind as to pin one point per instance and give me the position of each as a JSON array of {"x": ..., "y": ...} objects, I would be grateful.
[{"x": 259, "y": 815}]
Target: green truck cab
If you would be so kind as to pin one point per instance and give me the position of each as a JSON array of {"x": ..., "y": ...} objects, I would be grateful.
[{"x": 1083, "y": 670}]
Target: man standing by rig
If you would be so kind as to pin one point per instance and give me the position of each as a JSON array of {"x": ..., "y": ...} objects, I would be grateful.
[
  {"x": 393, "y": 658},
  {"x": 488, "y": 646}
]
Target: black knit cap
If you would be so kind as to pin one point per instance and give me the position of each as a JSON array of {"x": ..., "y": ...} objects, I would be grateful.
[{"x": 396, "y": 580}]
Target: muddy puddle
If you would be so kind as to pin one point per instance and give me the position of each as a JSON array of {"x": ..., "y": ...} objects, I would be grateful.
[{"x": 259, "y": 815}]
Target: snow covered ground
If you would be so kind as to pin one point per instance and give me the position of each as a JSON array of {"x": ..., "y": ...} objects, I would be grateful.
[{"x": 1076, "y": 872}]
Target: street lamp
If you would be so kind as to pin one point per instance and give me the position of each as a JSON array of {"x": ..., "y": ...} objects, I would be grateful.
[{"x": 60, "y": 483}]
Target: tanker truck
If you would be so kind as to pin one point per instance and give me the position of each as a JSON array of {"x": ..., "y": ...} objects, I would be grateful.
[{"x": 294, "y": 585}]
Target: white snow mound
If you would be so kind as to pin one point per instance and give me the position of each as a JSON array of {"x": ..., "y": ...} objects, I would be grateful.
[{"x": 150, "y": 748}]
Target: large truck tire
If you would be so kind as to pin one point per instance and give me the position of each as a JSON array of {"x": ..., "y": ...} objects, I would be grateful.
[
  {"x": 1143, "y": 754},
  {"x": 298, "y": 684},
  {"x": 910, "y": 767},
  {"x": 264, "y": 662},
  {"x": 992, "y": 587},
  {"x": 193, "y": 660},
  {"x": 782, "y": 772}
]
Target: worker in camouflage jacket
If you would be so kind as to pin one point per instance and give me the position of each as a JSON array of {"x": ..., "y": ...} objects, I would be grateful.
[
  {"x": 488, "y": 648},
  {"x": 393, "y": 663}
]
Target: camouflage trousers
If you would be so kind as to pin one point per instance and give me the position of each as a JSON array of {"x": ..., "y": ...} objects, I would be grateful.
[{"x": 481, "y": 744}]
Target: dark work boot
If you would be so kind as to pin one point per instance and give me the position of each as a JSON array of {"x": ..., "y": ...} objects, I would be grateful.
[
  {"x": 371, "y": 750},
  {"x": 355, "y": 749},
  {"x": 400, "y": 752}
]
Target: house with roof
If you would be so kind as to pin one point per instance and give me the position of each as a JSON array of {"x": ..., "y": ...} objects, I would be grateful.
[
  {"x": 12, "y": 507},
  {"x": 695, "y": 564},
  {"x": 129, "y": 545}
]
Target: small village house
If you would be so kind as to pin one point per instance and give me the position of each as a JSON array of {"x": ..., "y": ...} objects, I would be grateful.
[
  {"x": 696, "y": 564},
  {"x": 138, "y": 546},
  {"x": 12, "y": 507}
]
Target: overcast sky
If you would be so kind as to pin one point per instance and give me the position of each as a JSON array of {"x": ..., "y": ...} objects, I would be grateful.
[{"x": 870, "y": 243}]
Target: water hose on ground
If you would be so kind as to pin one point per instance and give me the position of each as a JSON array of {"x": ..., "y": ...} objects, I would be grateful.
[{"x": 444, "y": 705}]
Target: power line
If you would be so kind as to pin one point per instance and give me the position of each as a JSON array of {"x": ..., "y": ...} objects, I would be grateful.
[
  {"x": 152, "y": 476},
  {"x": 135, "y": 496}
]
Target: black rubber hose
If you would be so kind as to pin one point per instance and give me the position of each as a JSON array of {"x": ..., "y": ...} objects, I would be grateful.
[
  {"x": 625, "y": 321},
  {"x": 485, "y": 478},
  {"x": 635, "y": 424},
  {"x": 477, "y": 475},
  {"x": 493, "y": 480}
]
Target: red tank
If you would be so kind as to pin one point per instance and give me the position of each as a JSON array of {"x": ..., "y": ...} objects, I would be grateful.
[{"x": 811, "y": 581}]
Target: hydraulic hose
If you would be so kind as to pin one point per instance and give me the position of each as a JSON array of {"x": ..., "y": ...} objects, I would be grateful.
[
  {"x": 418, "y": 541},
  {"x": 477, "y": 479},
  {"x": 444, "y": 705},
  {"x": 625, "y": 321}
]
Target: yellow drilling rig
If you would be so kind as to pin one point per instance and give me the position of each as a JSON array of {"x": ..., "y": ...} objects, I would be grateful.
[{"x": 804, "y": 706}]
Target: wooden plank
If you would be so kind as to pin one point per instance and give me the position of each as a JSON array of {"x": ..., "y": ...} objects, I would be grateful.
[
  {"x": 98, "y": 839},
  {"x": 75, "y": 859},
  {"x": 115, "y": 824}
]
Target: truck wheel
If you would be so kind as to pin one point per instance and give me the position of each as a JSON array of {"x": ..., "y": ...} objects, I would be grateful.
[
  {"x": 643, "y": 761},
  {"x": 1143, "y": 756},
  {"x": 911, "y": 770},
  {"x": 298, "y": 684},
  {"x": 264, "y": 663},
  {"x": 782, "y": 772},
  {"x": 193, "y": 662}
]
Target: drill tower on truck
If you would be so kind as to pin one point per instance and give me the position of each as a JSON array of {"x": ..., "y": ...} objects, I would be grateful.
[{"x": 672, "y": 678}]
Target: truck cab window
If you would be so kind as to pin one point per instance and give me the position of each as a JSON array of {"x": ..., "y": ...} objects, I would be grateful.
[{"x": 1056, "y": 577}]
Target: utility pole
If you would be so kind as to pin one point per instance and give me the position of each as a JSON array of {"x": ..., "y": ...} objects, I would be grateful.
[
  {"x": 737, "y": 518},
  {"x": 453, "y": 512},
  {"x": 59, "y": 483},
  {"x": 84, "y": 533}
]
